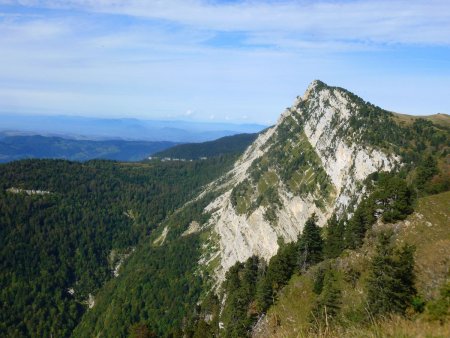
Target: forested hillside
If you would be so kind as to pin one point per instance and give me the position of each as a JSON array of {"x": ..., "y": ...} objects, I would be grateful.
[
  {"x": 66, "y": 226},
  {"x": 377, "y": 269},
  {"x": 235, "y": 144},
  {"x": 393, "y": 282},
  {"x": 395, "y": 285},
  {"x": 333, "y": 222},
  {"x": 36, "y": 146}
]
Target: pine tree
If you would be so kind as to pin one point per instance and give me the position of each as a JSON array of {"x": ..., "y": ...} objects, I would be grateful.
[
  {"x": 405, "y": 275},
  {"x": 380, "y": 282},
  {"x": 250, "y": 275},
  {"x": 282, "y": 265},
  {"x": 310, "y": 245}
]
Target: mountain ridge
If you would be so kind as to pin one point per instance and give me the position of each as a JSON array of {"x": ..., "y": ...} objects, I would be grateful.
[
  {"x": 36, "y": 146},
  {"x": 130, "y": 129},
  {"x": 234, "y": 144},
  {"x": 330, "y": 153},
  {"x": 341, "y": 167}
]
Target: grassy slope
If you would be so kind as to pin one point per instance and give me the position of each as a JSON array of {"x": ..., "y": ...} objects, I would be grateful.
[
  {"x": 442, "y": 120},
  {"x": 428, "y": 229}
]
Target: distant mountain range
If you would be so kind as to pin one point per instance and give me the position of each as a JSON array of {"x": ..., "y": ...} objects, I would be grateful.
[
  {"x": 126, "y": 129},
  {"x": 51, "y": 147},
  {"x": 35, "y": 146}
]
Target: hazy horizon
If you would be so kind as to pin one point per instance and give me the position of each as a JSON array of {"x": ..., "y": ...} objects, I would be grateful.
[
  {"x": 145, "y": 118},
  {"x": 106, "y": 128}
]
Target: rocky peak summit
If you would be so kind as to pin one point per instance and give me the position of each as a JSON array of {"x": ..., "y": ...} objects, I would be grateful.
[
  {"x": 314, "y": 160},
  {"x": 313, "y": 87}
]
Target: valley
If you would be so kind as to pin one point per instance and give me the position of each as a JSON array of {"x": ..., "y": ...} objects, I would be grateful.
[{"x": 275, "y": 234}]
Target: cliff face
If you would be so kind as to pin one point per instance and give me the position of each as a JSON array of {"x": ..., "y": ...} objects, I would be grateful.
[
  {"x": 326, "y": 113},
  {"x": 318, "y": 158},
  {"x": 312, "y": 161}
]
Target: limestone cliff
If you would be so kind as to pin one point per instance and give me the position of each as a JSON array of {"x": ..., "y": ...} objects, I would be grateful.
[{"x": 313, "y": 160}]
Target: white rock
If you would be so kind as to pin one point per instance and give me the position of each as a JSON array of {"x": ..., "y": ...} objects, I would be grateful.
[
  {"x": 346, "y": 163},
  {"x": 160, "y": 240}
]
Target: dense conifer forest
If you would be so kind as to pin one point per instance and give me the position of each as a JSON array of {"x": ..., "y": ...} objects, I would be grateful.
[
  {"x": 19, "y": 147},
  {"x": 235, "y": 144},
  {"x": 61, "y": 245}
]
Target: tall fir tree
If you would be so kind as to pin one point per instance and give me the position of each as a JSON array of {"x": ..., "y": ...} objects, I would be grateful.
[
  {"x": 334, "y": 241},
  {"x": 391, "y": 280},
  {"x": 362, "y": 220},
  {"x": 310, "y": 245}
]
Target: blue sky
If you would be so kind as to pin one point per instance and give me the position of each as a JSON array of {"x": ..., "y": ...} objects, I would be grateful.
[{"x": 235, "y": 61}]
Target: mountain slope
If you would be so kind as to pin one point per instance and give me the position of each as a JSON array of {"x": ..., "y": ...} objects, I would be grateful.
[
  {"x": 67, "y": 227},
  {"x": 442, "y": 120},
  {"x": 235, "y": 144},
  {"x": 427, "y": 229},
  {"x": 324, "y": 156},
  {"x": 313, "y": 161}
]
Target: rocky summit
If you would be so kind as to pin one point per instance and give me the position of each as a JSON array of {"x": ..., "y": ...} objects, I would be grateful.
[{"x": 314, "y": 160}]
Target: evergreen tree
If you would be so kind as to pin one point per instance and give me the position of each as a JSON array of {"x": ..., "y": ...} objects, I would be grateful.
[
  {"x": 250, "y": 275},
  {"x": 240, "y": 289},
  {"x": 362, "y": 220},
  {"x": 334, "y": 241},
  {"x": 328, "y": 303},
  {"x": 425, "y": 171},
  {"x": 264, "y": 294},
  {"x": 282, "y": 265},
  {"x": 391, "y": 281},
  {"x": 318, "y": 279},
  {"x": 310, "y": 245},
  {"x": 380, "y": 283},
  {"x": 405, "y": 275},
  {"x": 393, "y": 197}
]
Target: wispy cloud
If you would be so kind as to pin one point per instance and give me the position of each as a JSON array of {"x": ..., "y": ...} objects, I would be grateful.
[
  {"x": 227, "y": 59},
  {"x": 401, "y": 21}
]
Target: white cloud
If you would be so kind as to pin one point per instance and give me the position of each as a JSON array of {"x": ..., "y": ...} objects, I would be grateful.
[
  {"x": 161, "y": 57},
  {"x": 395, "y": 21}
]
